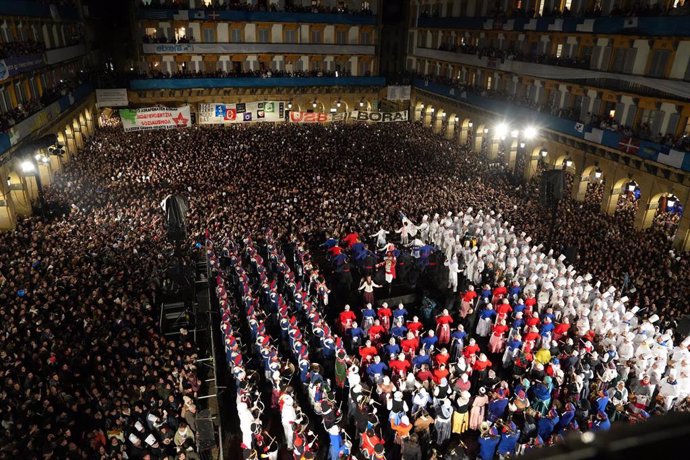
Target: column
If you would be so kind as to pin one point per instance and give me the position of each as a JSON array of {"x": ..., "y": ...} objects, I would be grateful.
[
  {"x": 682, "y": 240},
  {"x": 610, "y": 200}
]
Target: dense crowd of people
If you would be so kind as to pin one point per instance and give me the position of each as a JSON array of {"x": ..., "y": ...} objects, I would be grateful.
[
  {"x": 14, "y": 49},
  {"x": 260, "y": 73},
  {"x": 343, "y": 7},
  {"x": 93, "y": 270},
  {"x": 636, "y": 9}
]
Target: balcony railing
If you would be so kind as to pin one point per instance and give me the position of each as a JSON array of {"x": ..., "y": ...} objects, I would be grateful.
[
  {"x": 56, "y": 55},
  {"x": 256, "y": 48},
  {"x": 677, "y": 88},
  {"x": 256, "y": 16},
  {"x": 660, "y": 26},
  {"x": 38, "y": 120},
  {"x": 242, "y": 82},
  {"x": 504, "y": 109}
]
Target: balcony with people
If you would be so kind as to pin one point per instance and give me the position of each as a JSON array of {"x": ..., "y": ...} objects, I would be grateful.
[
  {"x": 320, "y": 11},
  {"x": 521, "y": 101}
]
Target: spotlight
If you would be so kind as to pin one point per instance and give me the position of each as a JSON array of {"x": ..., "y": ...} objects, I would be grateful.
[
  {"x": 470, "y": 124},
  {"x": 456, "y": 119},
  {"x": 37, "y": 156},
  {"x": 313, "y": 104},
  {"x": 27, "y": 167},
  {"x": 333, "y": 110},
  {"x": 486, "y": 130},
  {"x": 361, "y": 103},
  {"x": 530, "y": 132},
  {"x": 45, "y": 160},
  {"x": 290, "y": 105},
  {"x": 501, "y": 130},
  {"x": 514, "y": 133}
]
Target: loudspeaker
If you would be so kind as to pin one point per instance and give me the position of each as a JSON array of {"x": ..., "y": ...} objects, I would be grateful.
[
  {"x": 552, "y": 186},
  {"x": 206, "y": 431}
]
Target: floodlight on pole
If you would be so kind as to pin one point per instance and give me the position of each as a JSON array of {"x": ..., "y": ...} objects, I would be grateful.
[
  {"x": 501, "y": 130},
  {"x": 530, "y": 133},
  {"x": 28, "y": 167}
]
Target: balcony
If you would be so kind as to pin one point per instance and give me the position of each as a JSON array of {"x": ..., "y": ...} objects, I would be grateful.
[
  {"x": 241, "y": 82},
  {"x": 257, "y": 48},
  {"x": 57, "y": 55},
  {"x": 677, "y": 88},
  {"x": 44, "y": 117},
  {"x": 256, "y": 16},
  {"x": 659, "y": 26},
  {"x": 503, "y": 109},
  {"x": 16, "y": 65},
  {"x": 37, "y": 9}
]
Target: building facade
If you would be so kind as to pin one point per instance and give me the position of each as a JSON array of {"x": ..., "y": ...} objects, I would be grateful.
[
  {"x": 44, "y": 89},
  {"x": 609, "y": 94},
  {"x": 325, "y": 37}
]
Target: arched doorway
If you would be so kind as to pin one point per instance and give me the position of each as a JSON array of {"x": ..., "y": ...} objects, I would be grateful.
[
  {"x": 466, "y": 132},
  {"x": 451, "y": 129},
  {"x": 438, "y": 121},
  {"x": 537, "y": 163},
  {"x": 663, "y": 214},
  {"x": 481, "y": 143},
  {"x": 628, "y": 202},
  {"x": 428, "y": 116},
  {"x": 18, "y": 193},
  {"x": 567, "y": 164},
  {"x": 594, "y": 185},
  {"x": 419, "y": 111}
]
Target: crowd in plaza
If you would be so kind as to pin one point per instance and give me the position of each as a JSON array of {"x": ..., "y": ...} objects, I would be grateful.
[{"x": 93, "y": 268}]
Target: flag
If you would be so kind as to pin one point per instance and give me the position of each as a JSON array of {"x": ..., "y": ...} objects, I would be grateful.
[
  {"x": 269, "y": 107},
  {"x": 181, "y": 15},
  {"x": 629, "y": 145},
  {"x": 220, "y": 110},
  {"x": 579, "y": 127},
  {"x": 199, "y": 14},
  {"x": 630, "y": 23},
  {"x": 594, "y": 135},
  {"x": 670, "y": 157}
]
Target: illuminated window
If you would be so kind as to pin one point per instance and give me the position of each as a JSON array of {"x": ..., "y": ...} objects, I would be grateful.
[
  {"x": 488, "y": 83},
  {"x": 559, "y": 50},
  {"x": 612, "y": 113},
  {"x": 180, "y": 33}
]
